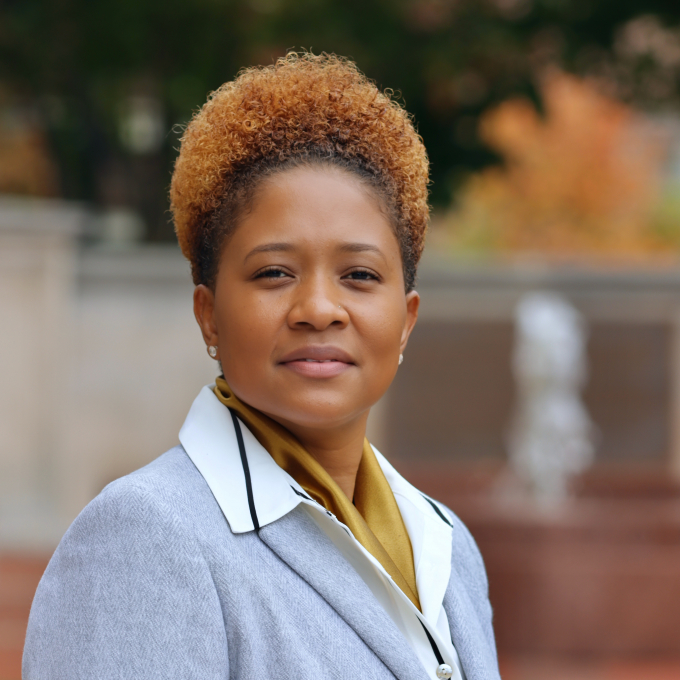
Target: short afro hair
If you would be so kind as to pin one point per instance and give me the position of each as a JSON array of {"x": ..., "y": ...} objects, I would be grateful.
[{"x": 304, "y": 109}]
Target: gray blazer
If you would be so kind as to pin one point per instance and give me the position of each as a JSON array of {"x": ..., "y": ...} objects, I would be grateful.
[{"x": 150, "y": 582}]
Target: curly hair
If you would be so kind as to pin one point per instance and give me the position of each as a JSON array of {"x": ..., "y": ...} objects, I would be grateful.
[{"x": 304, "y": 109}]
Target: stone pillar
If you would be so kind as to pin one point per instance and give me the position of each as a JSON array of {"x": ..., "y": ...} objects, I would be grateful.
[{"x": 37, "y": 251}]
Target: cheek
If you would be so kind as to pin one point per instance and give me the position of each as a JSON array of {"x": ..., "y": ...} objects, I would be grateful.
[
  {"x": 381, "y": 337},
  {"x": 248, "y": 328},
  {"x": 381, "y": 331}
]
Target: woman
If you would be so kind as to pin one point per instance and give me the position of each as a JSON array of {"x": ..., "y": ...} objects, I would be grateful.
[{"x": 275, "y": 542}]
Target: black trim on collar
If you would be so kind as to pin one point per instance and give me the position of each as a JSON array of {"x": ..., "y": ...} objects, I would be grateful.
[
  {"x": 436, "y": 509},
  {"x": 246, "y": 470},
  {"x": 302, "y": 495}
]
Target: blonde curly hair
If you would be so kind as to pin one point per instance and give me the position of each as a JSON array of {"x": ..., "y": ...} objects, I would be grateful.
[{"x": 304, "y": 109}]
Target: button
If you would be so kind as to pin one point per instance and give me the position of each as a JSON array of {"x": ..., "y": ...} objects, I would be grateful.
[{"x": 444, "y": 671}]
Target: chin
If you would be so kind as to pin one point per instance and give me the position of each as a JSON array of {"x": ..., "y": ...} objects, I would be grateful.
[{"x": 317, "y": 414}]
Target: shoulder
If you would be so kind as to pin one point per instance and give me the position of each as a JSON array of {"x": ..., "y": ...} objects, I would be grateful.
[
  {"x": 170, "y": 485},
  {"x": 152, "y": 512},
  {"x": 171, "y": 479},
  {"x": 129, "y": 591}
]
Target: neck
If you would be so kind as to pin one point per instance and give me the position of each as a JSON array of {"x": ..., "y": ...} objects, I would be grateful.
[{"x": 338, "y": 450}]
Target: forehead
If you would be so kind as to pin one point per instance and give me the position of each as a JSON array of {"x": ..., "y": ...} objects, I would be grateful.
[{"x": 315, "y": 206}]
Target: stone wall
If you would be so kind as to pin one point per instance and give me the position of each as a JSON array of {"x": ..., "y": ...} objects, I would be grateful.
[{"x": 100, "y": 359}]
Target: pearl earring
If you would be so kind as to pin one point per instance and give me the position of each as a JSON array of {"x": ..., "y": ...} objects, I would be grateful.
[
  {"x": 401, "y": 359},
  {"x": 212, "y": 351}
]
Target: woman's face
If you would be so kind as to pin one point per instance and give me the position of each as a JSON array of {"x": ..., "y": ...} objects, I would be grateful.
[{"x": 309, "y": 312}]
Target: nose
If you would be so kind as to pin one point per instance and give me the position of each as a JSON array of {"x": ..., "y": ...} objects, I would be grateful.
[{"x": 316, "y": 306}]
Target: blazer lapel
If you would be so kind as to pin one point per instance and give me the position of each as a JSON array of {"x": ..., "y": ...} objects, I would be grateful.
[
  {"x": 299, "y": 542},
  {"x": 478, "y": 660}
]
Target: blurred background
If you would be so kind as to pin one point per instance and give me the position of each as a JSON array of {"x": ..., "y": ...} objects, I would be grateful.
[{"x": 540, "y": 393}]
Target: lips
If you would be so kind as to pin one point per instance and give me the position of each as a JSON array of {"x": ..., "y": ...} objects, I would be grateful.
[
  {"x": 318, "y": 361},
  {"x": 317, "y": 353}
]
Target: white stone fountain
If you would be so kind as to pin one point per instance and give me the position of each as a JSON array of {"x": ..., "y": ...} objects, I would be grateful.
[{"x": 551, "y": 437}]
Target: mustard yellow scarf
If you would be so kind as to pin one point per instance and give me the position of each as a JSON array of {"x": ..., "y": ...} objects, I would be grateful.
[{"x": 373, "y": 518}]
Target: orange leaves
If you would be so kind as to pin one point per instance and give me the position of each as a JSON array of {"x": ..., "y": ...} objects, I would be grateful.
[{"x": 584, "y": 176}]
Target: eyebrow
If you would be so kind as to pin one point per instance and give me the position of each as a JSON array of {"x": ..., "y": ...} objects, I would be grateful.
[
  {"x": 362, "y": 248},
  {"x": 359, "y": 248},
  {"x": 270, "y": 248},
  {"x": 287, "y": 247}
]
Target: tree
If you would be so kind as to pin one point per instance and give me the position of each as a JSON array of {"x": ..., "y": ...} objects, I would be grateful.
[{"x": 91, "y": 69}]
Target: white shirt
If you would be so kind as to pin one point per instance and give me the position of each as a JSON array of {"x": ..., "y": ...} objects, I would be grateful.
[{"x": 209, "y": 438}]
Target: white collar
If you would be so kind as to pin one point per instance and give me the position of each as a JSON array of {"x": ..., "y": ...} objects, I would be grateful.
[{"x": 209, "y": 438}]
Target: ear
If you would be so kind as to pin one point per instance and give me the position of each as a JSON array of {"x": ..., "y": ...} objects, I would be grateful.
[
  {"x": 204, "y": 311},
  {"x": 412, "y": 305}
]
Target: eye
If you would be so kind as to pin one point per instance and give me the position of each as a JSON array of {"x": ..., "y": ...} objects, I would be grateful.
[
  {"x": 271, "y": 273},
  {"x": 362, "y": 275}
]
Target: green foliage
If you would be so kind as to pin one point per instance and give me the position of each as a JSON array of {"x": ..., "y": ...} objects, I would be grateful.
[
  {"x": 76, "y": 62},
  {"x": 666, "y": 219}
]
